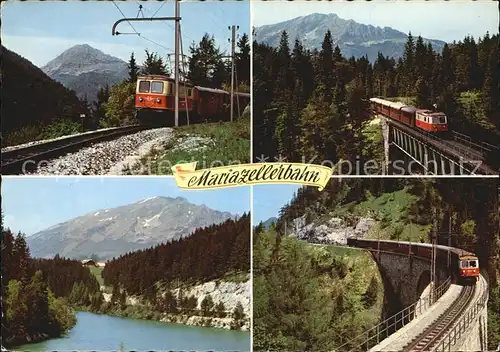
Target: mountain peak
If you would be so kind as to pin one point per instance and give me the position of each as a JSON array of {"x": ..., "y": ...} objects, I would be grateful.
[
  {"x": 114, "y": 231},
  {"x": 353, "y": 38},
  {"x": 85, "y": 69}
]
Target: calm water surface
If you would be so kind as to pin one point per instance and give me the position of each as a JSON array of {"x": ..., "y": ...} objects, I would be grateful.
[{"x": 104, "y": 332}]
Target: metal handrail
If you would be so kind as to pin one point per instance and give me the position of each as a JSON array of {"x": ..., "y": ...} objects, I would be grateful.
[
  {"x": 383, "y": 330},
  {"x": 429, "y": 136},
  {"x": 460, "y": 327},
  {"x": 483, "y": 147}
]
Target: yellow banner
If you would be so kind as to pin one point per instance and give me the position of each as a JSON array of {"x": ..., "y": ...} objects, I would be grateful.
[{"x": 187, "y": 177}]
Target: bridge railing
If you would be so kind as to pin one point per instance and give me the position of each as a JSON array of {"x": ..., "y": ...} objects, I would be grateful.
[
  {"x": 483, "y": 147},
  {"x": 373, "y": 336},
  {"x": 461, "y": 327},
  {"x": 426, "y": 136}
]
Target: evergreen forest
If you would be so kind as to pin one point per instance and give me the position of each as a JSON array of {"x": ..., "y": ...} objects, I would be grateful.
[
  {"x": 41, "y": 295},
  {"x": 36, "y": 302},
  {"x": 312, "y": 105},
  {"x": 208, "y": 253}
]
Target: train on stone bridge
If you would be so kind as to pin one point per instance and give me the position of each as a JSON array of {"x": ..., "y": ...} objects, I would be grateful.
[
  {"x": 464, "y": 265},
  {"x": 434, "y": 122},
  {"x": 155, "y": 102}
]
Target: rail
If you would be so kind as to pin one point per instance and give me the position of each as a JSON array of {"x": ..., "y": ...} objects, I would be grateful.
[
  {"x": 429, "y": 136},
  {"x": 483, "y": 147},
  {"x": 461, "y": 326},
  {"x": 19, "y": 160},
  {"x": 383, "y": 330},
  {"x": 467, "y": 155}
]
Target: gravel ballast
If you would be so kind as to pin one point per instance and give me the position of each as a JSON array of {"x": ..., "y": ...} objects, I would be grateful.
[{"x": 107, "y": 157}]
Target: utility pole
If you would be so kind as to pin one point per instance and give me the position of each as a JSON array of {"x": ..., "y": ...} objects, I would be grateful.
[
  {"x": 176, "y": 19},
  {"x": 177, "y": 23},
  {"x": 449, "y": 242},
  {"x": 233, "y": 29},
  {"x": 433, "y": 260}
]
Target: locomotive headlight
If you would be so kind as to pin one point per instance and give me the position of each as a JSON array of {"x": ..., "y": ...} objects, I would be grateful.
[
  {"x": 158, "y": 100},
  {"x": 140, "y": 99}
]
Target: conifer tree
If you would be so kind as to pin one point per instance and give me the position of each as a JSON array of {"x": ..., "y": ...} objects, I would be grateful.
[
  {"x": 325, "y": 75},
  {"x": 21, "y": 256},
  {"x": 220, "y": 310},
  {"x": 133, "y": 69},
  {"x": 409, "y": 65},
  {"x": 153, "y": 65},
  {"x": 243, "y": 59},
  {"x": 423, "y": 94},
  {"x": 205, "y": 60},
  {"x": 238, "y": 312},
  {"x": 207, "y": 305}
]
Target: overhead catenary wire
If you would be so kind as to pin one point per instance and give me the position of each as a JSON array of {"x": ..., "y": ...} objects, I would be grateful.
[
  {"x": 124, "y": 16},
  {"x": 164, "y": 2},
  {"x": 136, "y": 32}
]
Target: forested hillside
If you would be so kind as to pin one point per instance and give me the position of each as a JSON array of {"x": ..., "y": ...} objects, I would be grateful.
[
  {"x": 311, "y": 298},
  {"x": 209, "y": 253},
  {"x": 472, "y": 206},
  {"x": 33, "y": 105},
  {"x": 312, "y": 103},
  {"x": 36, "y": 302}
]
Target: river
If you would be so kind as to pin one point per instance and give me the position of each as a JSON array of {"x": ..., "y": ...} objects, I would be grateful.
[{"x": 103, "y": 332}]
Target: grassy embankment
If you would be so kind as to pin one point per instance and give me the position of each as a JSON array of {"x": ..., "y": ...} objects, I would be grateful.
[
  {"x": 213, "y": 144},
  {"x": 312, "y": 297},
  {"x": 97, "y": 273},
  {"x": 392, "y": 211}
]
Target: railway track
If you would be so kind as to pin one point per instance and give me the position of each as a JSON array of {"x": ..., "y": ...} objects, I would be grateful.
[
  {"x": 430, "y": 337},
  {"x": 25, "y": 159}
]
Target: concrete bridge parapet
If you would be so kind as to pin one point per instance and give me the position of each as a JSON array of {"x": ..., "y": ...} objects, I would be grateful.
[{"x": 407, "y": 276}]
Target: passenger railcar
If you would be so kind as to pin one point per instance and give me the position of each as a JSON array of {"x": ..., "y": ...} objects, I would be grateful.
[
  {"x": 155, "y": 101},
  {"x": 464, "y": 265},
  {"x": 426, "y": 120}
]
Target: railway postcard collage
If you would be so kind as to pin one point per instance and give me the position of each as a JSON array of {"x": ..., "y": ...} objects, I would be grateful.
[{"x": 183, "y": 175}]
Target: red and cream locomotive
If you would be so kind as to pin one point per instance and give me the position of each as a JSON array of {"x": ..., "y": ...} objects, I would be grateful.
[
  {"x": 464, "y": 265},
  {"x": 427, "y": 120},
  {"x": 155, "y": 101}
]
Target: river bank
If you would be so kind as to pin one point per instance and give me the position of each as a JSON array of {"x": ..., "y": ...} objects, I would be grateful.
[
  {"x": 227, "y": 294},
  {"x": 103, "y": 332}
]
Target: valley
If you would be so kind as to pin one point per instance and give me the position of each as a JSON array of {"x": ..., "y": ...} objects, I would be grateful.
[{"x": 162, "y": 263}]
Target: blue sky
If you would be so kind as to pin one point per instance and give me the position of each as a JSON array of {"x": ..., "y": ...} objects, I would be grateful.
[
  {"x": 39, "y": 31},
  {"x": 448, "y": 21},
  {"x": 268, "y": 200},
  {"x": 31, "y": 204}
]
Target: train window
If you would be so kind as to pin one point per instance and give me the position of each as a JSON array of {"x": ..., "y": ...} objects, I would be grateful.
[
  {"x": 440, "y": 119},
  {"x": 143, "y": 86},
  {"x": 156, "y": 87},
  {"x": 468, "y": 264}
]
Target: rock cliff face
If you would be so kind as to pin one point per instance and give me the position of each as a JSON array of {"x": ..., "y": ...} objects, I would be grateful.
[
  {"x": 229, "y": 293},
  {"x": 334, "y": 231}
]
